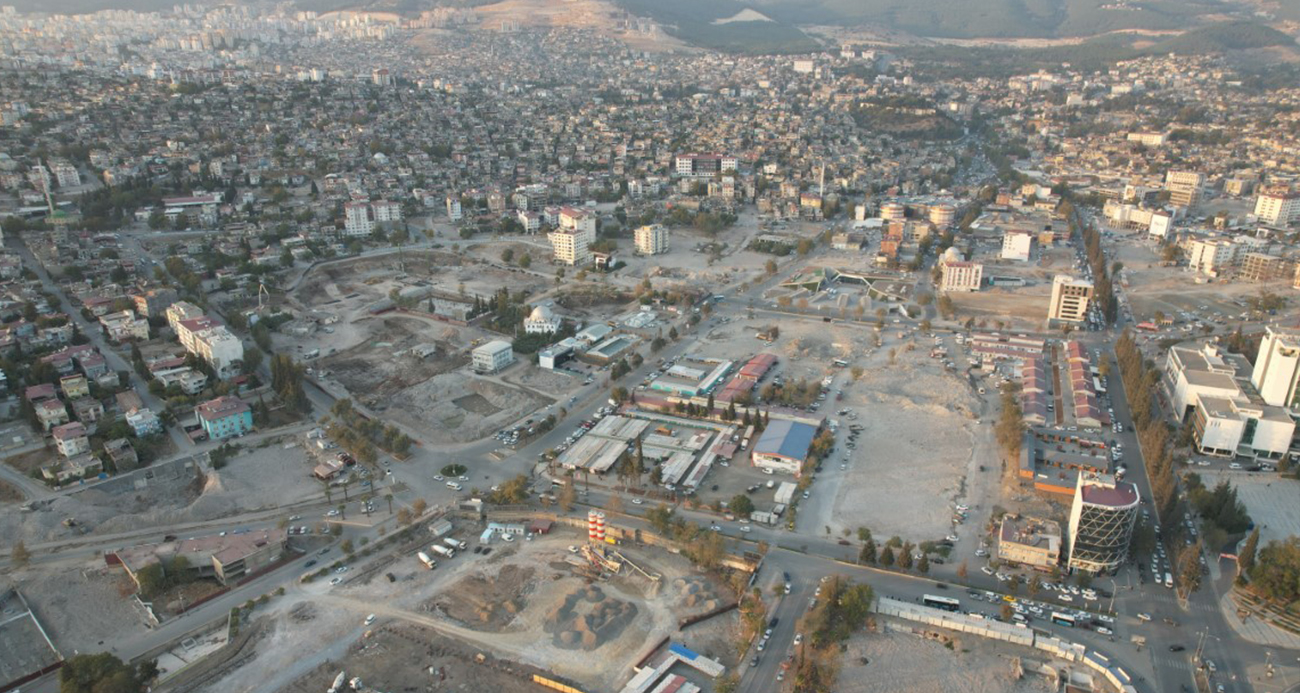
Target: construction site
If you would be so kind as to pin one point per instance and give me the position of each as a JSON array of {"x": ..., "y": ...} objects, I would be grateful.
[{"x": 562, "y": 605}]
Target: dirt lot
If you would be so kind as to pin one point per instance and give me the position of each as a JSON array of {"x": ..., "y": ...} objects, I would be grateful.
[
  {"x": 898, "y": 661},
  {"x": 458, "y": 407},
  {"x": 83, "y": 606},
  {"x": 383, "y": 366},
  {"x": 524, "y": 603},
  {"x": 9, "y": 493}
]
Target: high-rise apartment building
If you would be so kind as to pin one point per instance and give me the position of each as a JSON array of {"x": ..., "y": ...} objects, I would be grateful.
[
  {"x": 1070, "y": 299},
  {"x": 1101, "y": 523}
]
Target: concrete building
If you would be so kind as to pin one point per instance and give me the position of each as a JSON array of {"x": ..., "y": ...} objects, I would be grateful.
[
  {"x": 1277, "y": 207},
  {"x": 1017, "y": 244},
  {"x": 70, "y": 439},
  {"x": 453, "y": 208},
  {"x": 1212, "y": 257},
  {"x": 226, "y": 557},
  {"x": 572, "y": 246},
  {"x": 1184, "y": 187},
  {"x": 225, "y": 417},
  {"x": 493, "y": 356},
  {"x": 1070, "y": 299},
  {"x": 1029, "y": 541},
  {"x": 357, "y": 221},
  {"x": 1276, "y": 374},
  {"x": 1101, "y": 523},
  {"x": 703, "y": 165},
  {"x": 958, "y": 274},
  {"x": 651, "y": 239},
  {"x": 784, "y": 446},
  {"x": 1214, "y": 391}
]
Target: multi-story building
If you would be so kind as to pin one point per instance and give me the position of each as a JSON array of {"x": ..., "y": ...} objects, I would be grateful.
[
  {"x": 1070, "y": 299},
  {"x": 1017, "y": 244},
  {"x": 386, "y": 211},
  {"x": 572, "y": 241},
  {"x": 154, "y": 301},
  {"x": 225, "y": 417},
  {"x": 1184, "y": 187},
  {"x": 1276, "y": 374},
  {"x": 651, "y": 239},
  {"x": 178, "y": 311},
  {"x": 453, "y": 208},
  {"x": 70, "y": 439},
  {"x": 124, "y": 326},
  {"x": 493, "y": 356},
  {"x": 958, "y": 274},
  {"x": 1102, "y": 516},
  {"x": 66, "y": 174},
  {"x": 1277, "y": 207},
  {"x": 1213, "y": 390},
  {"x": 1262, "y": 267},
  {"x": 1212, "y": 257},
  {"x": 1029, "y": 541},
  {"x": 144, "y": 422},
  {"x": 213, "y": 343},
  {"x": 531, "y": 221},
  {"x": 703, "y": 165},
  {"x": 357, "y": 220}
]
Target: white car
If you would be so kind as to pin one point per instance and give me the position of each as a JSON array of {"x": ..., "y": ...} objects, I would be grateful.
[
  {"x": 745, "y": 528},
  {"x": 1065, "y": 597},
  {"x": 986, "y": 570},
  {"x": 637, "y": 501},
  {"x": 336, "y": 581},
  {"x": 439, "y": 477},
  {"x": 370, "y": 619},
  {"x": 1105, "y": 631},
  {"x": 1144, "y": 617}
]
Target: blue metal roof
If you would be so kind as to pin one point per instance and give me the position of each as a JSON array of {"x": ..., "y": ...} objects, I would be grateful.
[{"x": 786, "y": 438}]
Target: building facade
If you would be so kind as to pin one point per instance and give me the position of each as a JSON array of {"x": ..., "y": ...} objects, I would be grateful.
[
  {"x": 225, "y": 417},
  {"x": 651, "y": 239},
  {"x": 493, "y": 356},
  {"x": 1101, "y": 523},
  {"x": 1070, "y": 299}
]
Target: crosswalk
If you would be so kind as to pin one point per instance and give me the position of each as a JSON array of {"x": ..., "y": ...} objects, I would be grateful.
[{"x": 1170, "y": 662}]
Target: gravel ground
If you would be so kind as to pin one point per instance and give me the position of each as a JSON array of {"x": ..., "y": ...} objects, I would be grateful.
[
  {"x": 906, "y": 662},
  {"x": 82, "y": 608}
]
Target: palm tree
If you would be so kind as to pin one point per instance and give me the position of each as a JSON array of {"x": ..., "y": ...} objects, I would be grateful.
[
  {"x": 389, "y": 497},
  {"x": 343, "y": 512}
]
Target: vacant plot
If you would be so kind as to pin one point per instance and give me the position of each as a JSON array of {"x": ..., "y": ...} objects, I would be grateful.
[
  {"x": 904, "y": 662},
  {"x": 9, "y": 493},
  {"x": 385, "y": 364},
  {"x": 1269, "y": 499},
  {"x": 458, "y": 407}
]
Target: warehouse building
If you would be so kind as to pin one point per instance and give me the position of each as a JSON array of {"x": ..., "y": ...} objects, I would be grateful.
[{"x": 784, "y": 446}]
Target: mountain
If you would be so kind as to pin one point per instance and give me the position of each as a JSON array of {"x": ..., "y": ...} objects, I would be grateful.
[{"x": 723, "y": 25}]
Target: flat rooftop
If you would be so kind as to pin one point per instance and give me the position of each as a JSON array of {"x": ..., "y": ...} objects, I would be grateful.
[{"x": 1102, "y": 492}]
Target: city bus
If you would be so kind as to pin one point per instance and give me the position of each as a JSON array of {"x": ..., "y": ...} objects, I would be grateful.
[
  {"x": 1061, "y": 619},
  {"x": 941, "y": 602}
]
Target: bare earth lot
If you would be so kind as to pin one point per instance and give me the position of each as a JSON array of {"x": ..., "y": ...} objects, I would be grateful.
[{"x": 901, "y": 661}]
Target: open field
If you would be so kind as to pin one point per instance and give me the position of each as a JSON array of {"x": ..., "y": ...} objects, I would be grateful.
[
  {"x": 525, "y": 603},
  {"x": 1268, "y": 498},
  {"x": 83, "y": 607},
  {"x": 898, "y": 660},
  {"x": 383, "y": 366}
]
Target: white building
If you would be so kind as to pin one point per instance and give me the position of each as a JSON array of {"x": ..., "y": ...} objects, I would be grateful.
[
  {"x": 66, "y": 174},
  {"x": 493, "y": 356},
  {"x": 579, "y": 219},
  {"x": 541, "y": 321},
  {"x": 453, "y": 208},
  {"x": 1070, "y": 299},
  {"x": 1275, "y": 208},
  {"x": 1017, "y": 244},
  {"x": 1211, "y": 256},
  {"x": 386, "y": 211},
  {"x": 531, "y": 221},
  {"x": 572, "y": 246},
  {"x": 651, "y": 239},
  {"x": 220, "y": 348},
  {"x": 959, "y": 274},
  {"x": 1276, "y": 374},
  {"x": 1210, "y": 389},
  {"x": 356, "y": 219}
]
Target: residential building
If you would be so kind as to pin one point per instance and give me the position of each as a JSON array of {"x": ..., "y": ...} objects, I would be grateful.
[
  {"x": 82, "y": 466},
  {"x": 958, "y": 274},
  {"x": 124, "y": 326},
  {"x": 784, "y": 446},
  {"x": 1184, "y": 187},
  {"x": 225, "y": 557},
  {"x": 1029, "y": 541},
  {"x": 1213, "y": 391},
  {"x": 453, "y": 208},
  {"x": 71, "y": 439},
  {"x": 154, "y": 302},
  {"x": 225, "y": 417},
  {"x": 572, "y": 246},
  {"x": 493, "y": 356},
  {"x": 651, "y": 239},
  {"x": 1017, "y": 244},
  {"x": 703, "y": 165},
  {"x": 1277, "y": 207},
  {"x": 1213, "y": 257},
  {"x": 178, "y": 311},
  {"x": 74, "y": 386},
  {"x": 51, "y": 413},
  {"x": 580, "y": 219},
  {"x": 531, "y": 221},
  {"x": 357, "y": 221},
  {"x": 386, "y": 211},
  {"x": 143, "y": 422},
  {"x": 1262, "y": 267},
  {"x": 66, "y": 174},
  {"x": 121, "y": 453},
  {"x": 1102, "y": 516},
  {"x": 1070, "y": 299}
]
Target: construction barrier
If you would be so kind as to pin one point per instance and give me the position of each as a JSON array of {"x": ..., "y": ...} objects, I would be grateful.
[{"x": 555, "y": 685}]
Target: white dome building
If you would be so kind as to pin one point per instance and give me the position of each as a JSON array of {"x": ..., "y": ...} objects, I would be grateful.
[{"x": 541, "y": 321}]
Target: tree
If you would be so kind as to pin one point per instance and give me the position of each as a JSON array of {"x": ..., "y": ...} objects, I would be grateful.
[
  {"x": 568, "y": 496},
  {"x": 346, "y": 546},
  {"x": 887, "y": 556},
  {"x": 615, "y": 504},
  {"x": 101, "y": 673},
  {"x": 741, "y": 505},
  {"x": 507, "y": 255},
  {"x": 923, "y": 565},
  {"x": 1245, "y": 557},
  {"x": 403, "y": 516},
  {"x": 418, "y": 506},
  {"x": 868, "y": 553},
  {"x": 20, "y": 555},
  {"x": 905, "y": 556},
  {"x": 962, "y": 570},
  {"x": 1006, "y": 611},
  {"x": 526, "y": 261}
]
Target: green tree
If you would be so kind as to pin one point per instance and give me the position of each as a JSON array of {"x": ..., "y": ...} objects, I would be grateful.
[
  {"x": 1245, "y": 557},
  {"x": 100, "y": 673},
  {"x": 887, "y": 556},
  {"x": 20, "y": 555},
  {"x": 741, "y": 505}
]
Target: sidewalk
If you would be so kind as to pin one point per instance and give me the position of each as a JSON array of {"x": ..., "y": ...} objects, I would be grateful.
[{"x": 1255, "y": 630}]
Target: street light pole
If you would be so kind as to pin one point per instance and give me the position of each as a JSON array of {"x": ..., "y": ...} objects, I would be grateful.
[{"x": 1113, "y": 590}]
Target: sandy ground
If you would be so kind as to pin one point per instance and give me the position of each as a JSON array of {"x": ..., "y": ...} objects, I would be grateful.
[
  {"x": 904, "y": 662},
  {"x": 913, "y": 451}
]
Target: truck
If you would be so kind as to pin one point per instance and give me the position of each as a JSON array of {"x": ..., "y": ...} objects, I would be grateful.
[
  {"x": 1169, "y": 580},
  {"x": 428, "y": 562},
  {"x": 444, "y": 551},
  {"x": 454, "y": 543}
]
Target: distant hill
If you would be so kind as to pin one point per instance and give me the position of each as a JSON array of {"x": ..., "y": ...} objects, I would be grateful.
[
  {"x": 723, "y": 25},
  {"x": 998, "y": 18}
]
